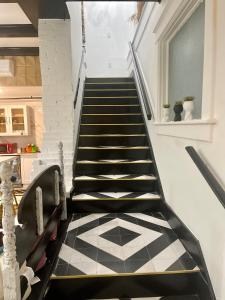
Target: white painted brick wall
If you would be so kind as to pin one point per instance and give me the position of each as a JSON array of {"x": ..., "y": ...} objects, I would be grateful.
[{"x": 58, "y": 95}]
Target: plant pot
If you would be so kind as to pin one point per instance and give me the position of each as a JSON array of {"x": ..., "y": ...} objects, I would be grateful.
[
  {"x": 178, "y": 108},
  {"x": 188, "y": 109},
  {"x": 165, "y": 114}
]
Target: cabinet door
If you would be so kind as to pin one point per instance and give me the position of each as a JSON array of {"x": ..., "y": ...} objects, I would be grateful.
[
  {"x": 18, "y": 120},
  {"x": 4, "y": 124}
]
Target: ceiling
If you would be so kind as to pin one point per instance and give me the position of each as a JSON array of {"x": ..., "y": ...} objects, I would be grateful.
[{"x": 12, "y": 13}]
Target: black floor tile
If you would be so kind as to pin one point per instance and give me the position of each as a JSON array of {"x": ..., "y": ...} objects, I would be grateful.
[{"x": 133, "y": 265}]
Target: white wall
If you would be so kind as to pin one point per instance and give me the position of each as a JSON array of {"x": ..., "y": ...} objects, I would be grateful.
[
  {"x": 185, "y": 189},
  {"x": 76, "y": 38},
  {"x": 58, "y": 94},
  {"x": 107, "y": 34}
]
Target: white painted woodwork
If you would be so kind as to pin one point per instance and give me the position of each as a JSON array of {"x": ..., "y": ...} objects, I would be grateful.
[
  {"x": 57, "y": 191},
  {"x": 185, "y": 189},
  {"x": 61, "y": 163},
  {"x": 9, "y": 115},
  {"x": 10, "y": 266},
  {"x": 39, "y": 211}
]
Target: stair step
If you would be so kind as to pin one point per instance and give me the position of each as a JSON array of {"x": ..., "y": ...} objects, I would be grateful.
[
  {"x": 109, "y": 79},
  {"x": 113, "y": 140},
  {"x": 110, "y": 92},
  {"x": 114, "y": 166},
  {"x": 118, "y": 255},
  {"x": 112, "y": 118},
  {"x": 110, "y": 85},
  {"x": 115, "y": 196},
  {"x": 123, "y": 100},
  {"x": 115, "y": 183},
  {"x": 99, "y": 153},
  {"x": 138, "y": 128},
  {"x": 117, "y": 109}
]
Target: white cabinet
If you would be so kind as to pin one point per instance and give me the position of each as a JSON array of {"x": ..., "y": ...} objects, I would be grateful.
[{"x": 14, "y": 120}]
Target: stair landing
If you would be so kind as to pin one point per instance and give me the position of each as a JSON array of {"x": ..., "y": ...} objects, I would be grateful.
[{"x": 116, "y": 244}]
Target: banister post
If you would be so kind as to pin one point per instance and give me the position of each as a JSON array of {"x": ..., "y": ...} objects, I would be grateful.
[
  {"x": 61, "y": 164},
  {"x": 10, "y": 266}
]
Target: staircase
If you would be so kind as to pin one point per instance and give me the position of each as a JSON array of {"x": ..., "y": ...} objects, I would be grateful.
[{"x": 119, "y": 244}]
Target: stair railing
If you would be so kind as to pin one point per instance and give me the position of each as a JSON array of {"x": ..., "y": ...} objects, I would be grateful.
[
  {"x": 79, "y": 75},
  {"x": 10, "y": 266},
  {"x": 141, "y": 84},
  {"x": 62, "y": 178},
  {"x": 210, "y": 178}
]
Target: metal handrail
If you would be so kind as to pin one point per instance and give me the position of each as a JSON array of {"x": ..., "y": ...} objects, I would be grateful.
[
  {"x": 78, "y": 81},
  {"x": 207, "y": 174},
  {"x": 146, "y": 100}
]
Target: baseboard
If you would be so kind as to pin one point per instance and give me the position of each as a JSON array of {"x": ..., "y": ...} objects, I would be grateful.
[{"x": 192, "y": 245}]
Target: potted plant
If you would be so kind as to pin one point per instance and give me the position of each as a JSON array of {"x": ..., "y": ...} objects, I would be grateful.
[
  {"x": 188, "y": 107},
  {"x": 178, "y": 108},
  {"x": 166, "y": 112}
]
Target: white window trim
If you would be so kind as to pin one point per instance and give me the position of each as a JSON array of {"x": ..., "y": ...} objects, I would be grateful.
[{"x": 165, "y": 30}]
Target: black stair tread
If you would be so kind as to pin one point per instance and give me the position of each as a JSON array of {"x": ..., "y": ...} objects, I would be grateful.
[
  {"x": 112, "y": 124},
  {"x": 115, "y": 195},
  {"x": 112, "y": 135},
  {"x": 115, "y": 147},
  {"x": 109, "y": 114},
  {"x": 94, "y": 105},
  {"x": 108, "y": 79},
  {"x": 183, "y": 297},
  {"x": 116, "y": 177},
  {"x": 122, "y": 244},
  {"x": 115, "y": 161},
  {"x": 114, "y": 97}
]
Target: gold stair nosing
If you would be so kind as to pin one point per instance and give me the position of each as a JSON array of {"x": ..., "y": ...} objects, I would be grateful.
[
  {"x": 116, "y": 97},
  {"x": 128, "y": 114},
  {"x": 112, "y": 148},
  {"x": 93, "y": 105},
  {"x": 121, "y": 82},
  {"x": 153, "y": 178},
  {"x": 186, "y": 271},
  {"x": 112, "y": 124},
  {"x": 118, "y": 199},
  {"x": 94, "y": 90},
  {"x": 111, "y": 135},
  {"x": 113, "y": 163}
]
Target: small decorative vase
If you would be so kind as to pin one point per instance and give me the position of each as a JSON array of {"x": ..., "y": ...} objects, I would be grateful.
[
  {"x": 188, "y": 108},
  {"x": 165, "y": 113},
  {"x": 178, "y": 108}
]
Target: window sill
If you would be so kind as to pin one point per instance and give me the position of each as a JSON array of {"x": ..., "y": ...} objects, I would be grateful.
[{"x": 194, "y": 129}]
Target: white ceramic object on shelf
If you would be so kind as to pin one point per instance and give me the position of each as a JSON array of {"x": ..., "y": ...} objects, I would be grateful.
[
  {"x": 165, "y": 114},
  {"x": 188, "y": 109}
]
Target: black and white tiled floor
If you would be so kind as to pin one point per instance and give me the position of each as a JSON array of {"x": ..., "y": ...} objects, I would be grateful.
[{"x": 121, "y": 243}]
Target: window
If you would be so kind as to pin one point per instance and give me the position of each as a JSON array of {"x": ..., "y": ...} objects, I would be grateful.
[{"x": 185, "y": 62}]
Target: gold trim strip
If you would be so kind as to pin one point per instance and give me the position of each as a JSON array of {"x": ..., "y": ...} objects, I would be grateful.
[
  {"x": 108, "y": 124},
  {"x": 115, "y": 179},
  {"x": 129, "y": 114},
  {"x": 97, "y": 148},
  {"x": 124, "y": 274},
  {"x": 93, "y": 90},
  {"x": 92, "y": 105},
  {"x": 115, "y": 97},
  {"x": 117, "y": 199},
  {"x": 121, "y": 82},
  {"x": 113, "y": 163},
  {"x": 110, "y": 135}
]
